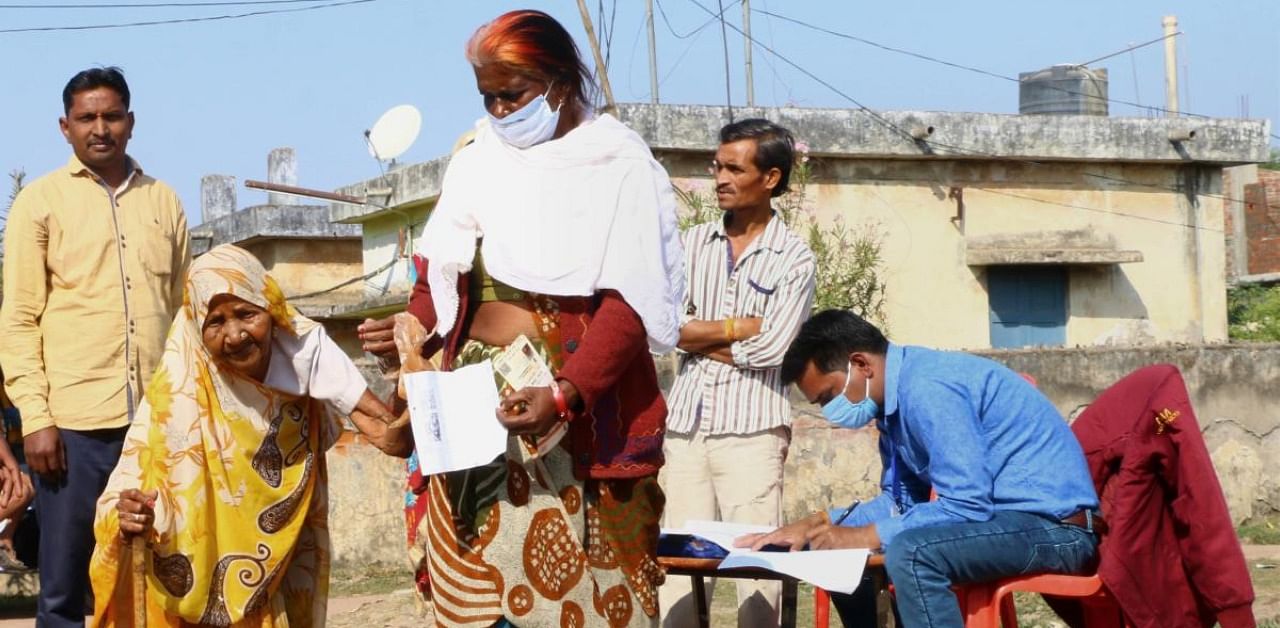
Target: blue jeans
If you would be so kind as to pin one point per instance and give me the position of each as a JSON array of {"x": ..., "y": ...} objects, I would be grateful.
[{"x": 923, "y": 563}]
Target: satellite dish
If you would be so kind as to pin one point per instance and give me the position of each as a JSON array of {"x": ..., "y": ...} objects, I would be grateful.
[{"x": 394, "y": 132}]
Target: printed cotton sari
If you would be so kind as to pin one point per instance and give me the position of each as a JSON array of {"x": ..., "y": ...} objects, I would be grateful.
[
  {"x": 240, "y": 535},
  {"x": 524, "y": 542}
]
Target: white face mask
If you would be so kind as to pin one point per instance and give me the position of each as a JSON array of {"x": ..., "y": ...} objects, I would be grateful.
[{"x": 529, "y": 125}]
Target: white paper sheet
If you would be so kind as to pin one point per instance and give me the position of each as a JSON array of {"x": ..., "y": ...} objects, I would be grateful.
[
  {"x": 833, "y": 570},
  {"x": 721, "y": 533},
  {"x": 453, "y": 415}
]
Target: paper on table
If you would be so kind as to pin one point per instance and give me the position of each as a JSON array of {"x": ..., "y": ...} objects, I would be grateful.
[
  {"x": 721, "y": 533},
  {"x": 833, "y": 570},
  {"x": 454, "y": 420}
]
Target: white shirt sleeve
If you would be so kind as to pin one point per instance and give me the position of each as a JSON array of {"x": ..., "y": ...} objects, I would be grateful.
[{"x": 314, "y": 366}]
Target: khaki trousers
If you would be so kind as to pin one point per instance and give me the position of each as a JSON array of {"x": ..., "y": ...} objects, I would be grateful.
[{"x": 725, "y": 477}]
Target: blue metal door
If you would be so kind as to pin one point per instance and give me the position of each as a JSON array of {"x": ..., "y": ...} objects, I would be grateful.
[{"x": 1028, "y": 305}]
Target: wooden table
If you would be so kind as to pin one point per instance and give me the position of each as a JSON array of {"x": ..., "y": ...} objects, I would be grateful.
[{"x": 698, "y": 569}]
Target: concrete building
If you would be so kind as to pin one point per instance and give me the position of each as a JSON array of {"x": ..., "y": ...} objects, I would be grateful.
[
  {"x": 313, "y": 259},
  {"x": 996, "y": 230}
]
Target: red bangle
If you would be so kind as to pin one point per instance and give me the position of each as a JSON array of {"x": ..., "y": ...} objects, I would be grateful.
[{"x": 562, "y": 406}]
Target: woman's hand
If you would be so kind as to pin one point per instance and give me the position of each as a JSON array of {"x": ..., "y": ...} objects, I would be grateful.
[
  {"x": 377, "y": 337},
  {"x": 137, "y": 512},
  {"x": 529, "y": 411},
  {"x": 387, "y": 430}
]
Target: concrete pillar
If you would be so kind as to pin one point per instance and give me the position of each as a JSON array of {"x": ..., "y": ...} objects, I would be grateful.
[
  {"x": 282, "y": 168},
  {"x": 1170, "y": 24},
  {"x": 217, "y": 196}
]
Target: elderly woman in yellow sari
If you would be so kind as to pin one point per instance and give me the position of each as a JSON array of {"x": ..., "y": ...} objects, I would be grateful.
[{"x": 223, "y": 473}]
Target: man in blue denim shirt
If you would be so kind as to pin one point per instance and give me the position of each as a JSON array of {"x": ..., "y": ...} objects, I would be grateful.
[{"x": 1014, "y": 495}]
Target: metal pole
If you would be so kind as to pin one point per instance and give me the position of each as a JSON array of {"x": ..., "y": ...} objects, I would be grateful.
[
  {"x": 653, "y": 53},
  {"x": 746, "y": 43},
  {"x": 603, "y": 72},
  {"x": 1170, "y": 23}
]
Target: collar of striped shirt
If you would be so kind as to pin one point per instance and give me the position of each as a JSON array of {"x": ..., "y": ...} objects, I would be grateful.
[{"x": 774, "y": 236}]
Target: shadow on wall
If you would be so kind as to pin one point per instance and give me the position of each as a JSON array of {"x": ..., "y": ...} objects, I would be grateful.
[{"x": 1104, "y": 292}]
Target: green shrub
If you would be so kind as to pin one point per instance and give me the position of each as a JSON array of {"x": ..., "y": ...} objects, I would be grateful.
[{"x": 1253, "y": 313}]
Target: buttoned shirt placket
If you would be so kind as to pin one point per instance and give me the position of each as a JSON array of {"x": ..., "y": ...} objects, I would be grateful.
[
  {"x": 131, "y": 360},
  {"x": 706, "y": 407}
]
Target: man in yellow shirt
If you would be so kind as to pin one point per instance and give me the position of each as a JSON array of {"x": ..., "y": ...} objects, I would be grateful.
[{"x": 95, "y": 258}]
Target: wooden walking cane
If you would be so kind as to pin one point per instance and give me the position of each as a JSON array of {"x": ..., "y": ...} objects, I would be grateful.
[{"x": 138, "y": 560}]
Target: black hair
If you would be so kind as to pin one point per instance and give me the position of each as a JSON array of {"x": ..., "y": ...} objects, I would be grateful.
[
  {"x": 775, "y": 147},
  {"x": 93, "y": 78},
  {"x": 827, "y": 339}
]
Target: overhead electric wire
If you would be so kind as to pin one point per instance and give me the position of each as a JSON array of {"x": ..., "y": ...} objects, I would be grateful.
[
  {"x": 155, "y": 5},
  {"x": 672, "y": 70},
  {"x": 968, "y": 68},
  {"x": 187, "y": 20},
  {"x": 348, "y": 282},
  {"x": 1094, "y": 209},
  {"x": 965, "y": 152},
  {"x": 773, "y": 69},
  {"x": 695, "y": 33},
  {"x": 1131, "y": 48},
  {"x": 665, "y": 20}
]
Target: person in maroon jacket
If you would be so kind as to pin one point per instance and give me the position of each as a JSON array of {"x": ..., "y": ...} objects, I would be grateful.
[
  {"x": 1170, "y": 556},
  {"x": 556, "y": 225}
]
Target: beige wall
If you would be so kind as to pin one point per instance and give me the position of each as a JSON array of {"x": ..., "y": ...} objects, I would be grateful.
[
  {"x": 366, "y": 506},
  {"x": 381, "y": 237},
  {"x": 302, "y": 266},
  {"x": 1176, "y": 294}
]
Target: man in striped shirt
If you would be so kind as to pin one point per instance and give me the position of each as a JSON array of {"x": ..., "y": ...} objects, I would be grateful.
[{"x": 750, "y": 285}]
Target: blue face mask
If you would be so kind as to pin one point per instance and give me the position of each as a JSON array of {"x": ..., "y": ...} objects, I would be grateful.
[
  {"x": 529, "y": 125},
  {"x": 845, "y": 413}
]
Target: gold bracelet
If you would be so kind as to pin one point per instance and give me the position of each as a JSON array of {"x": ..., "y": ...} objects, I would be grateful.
[{"x": 730, "y": 329}]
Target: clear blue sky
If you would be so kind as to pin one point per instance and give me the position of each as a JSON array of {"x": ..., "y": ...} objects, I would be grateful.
[{"x": 215, "y": 97}]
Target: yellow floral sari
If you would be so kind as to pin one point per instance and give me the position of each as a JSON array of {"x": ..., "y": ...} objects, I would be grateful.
[{"x": 240, "y": 532}]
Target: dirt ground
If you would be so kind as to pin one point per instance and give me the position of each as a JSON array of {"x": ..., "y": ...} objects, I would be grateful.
[
  {"x": 397, "y": 608},
  {"x": 380, "y": 599}
]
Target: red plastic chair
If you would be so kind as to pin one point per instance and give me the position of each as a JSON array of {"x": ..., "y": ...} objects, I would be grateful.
[
  {"x": 822, "y": 605},
  {"x": 991, "y": 605},
  {"x": 821, "y": 608}
]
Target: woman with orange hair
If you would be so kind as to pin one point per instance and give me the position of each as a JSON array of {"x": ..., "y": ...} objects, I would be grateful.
[{"x": 556, "y": 225}]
